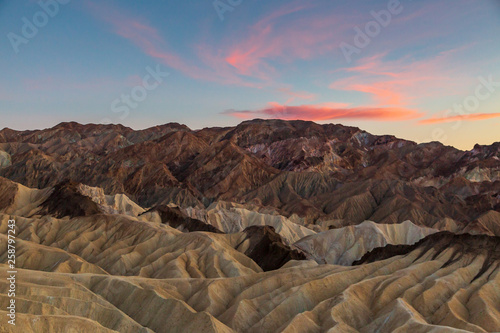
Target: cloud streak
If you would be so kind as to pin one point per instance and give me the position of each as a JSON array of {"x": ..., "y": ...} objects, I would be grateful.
[
  {"x": 321, "y": 112},
  {"x": 273, "y": 39},
  {"x": 401, "y": 82},
  {"x": 465, "y": 117},
  {"x": 149, "y": 41}
]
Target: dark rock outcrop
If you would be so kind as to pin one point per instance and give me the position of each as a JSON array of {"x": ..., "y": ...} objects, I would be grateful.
[
  {"x": 173, "y": 217},
  {"x": 267, "y": 248},
  {"x": 66, "y": 200},
  {"x": 8, "y": 190},
  {"x": 462, "y": 244}
]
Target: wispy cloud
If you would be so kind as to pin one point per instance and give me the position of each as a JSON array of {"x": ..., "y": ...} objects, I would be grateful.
[
  {"x": 274, "y": 38},
  {"x": 327, "y": 111},
  {"x": 242, "y": 61},
  {"x": 149, "y": 40},
  {"x": 253, "y": 59},
  {"x": 403, "y": 81},
  {"x": 296, "y": 95},
  {"x": 466, "y": 117}
]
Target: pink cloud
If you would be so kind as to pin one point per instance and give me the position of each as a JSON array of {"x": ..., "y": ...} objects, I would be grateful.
[
  {"x": 242, "y": 61},
  {"x": 466, "y": 117},
  {"x": 311, "y": 35},
  {"x": 149, "y": 40},
  {"x": 296, "y": 95},
  {"x": 274, "y": 38},
  {"x": 401, "y": 82},
  {"x": 328, "y": 111}
]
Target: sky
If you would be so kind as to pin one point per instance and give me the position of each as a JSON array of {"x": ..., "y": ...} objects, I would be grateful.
[{"x": 420, "y": 70}]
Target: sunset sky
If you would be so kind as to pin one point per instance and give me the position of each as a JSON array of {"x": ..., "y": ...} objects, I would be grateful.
[{"x": 421, "y": 70}]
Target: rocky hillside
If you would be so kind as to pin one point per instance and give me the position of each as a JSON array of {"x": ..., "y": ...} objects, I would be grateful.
[
  {"x": 319, "y": 173},
  {"x": 269, "y": 226}
]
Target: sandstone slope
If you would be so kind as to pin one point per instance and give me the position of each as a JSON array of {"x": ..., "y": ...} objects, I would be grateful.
[
  {"x": 345, "y": 245},
  {"x": 426, "y": 288}
]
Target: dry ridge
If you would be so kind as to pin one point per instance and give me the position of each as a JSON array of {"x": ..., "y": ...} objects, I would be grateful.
[
  {"x": 425, "y": 290},
  {"x": 326, "y": 175},
  {"x": 268, "y": 226}
]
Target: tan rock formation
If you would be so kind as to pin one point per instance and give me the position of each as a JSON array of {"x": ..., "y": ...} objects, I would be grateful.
[{"x": 345, "y": 245}]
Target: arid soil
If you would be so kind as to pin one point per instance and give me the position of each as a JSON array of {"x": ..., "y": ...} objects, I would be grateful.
[{"x": 268, "y": 226}]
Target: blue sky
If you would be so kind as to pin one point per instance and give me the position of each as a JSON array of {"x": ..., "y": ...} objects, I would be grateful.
[{"x": 407, "y": 73}]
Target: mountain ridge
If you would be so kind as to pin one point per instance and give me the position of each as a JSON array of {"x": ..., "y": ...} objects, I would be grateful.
[
  {"x": 251, "y": 228},
  {"x": 291, "y": 166}
]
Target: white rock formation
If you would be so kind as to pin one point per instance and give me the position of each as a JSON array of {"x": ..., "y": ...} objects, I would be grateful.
[{"x": 345, "y": 245}]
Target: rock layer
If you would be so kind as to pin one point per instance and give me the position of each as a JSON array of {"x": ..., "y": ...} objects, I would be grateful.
[
  {"x": 345, "y": 245},
  {"x": 415, "y": 292},
  {"x": 317, "y": 172},
  {"x": 251, "y": 228}
]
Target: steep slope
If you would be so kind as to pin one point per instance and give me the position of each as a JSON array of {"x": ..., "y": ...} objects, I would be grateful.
[
  {"x": 120, "y": 245},
  {"x": 318, "y": 172},
  {"x": 20, "y": 200},
  {"x": 232, "y": 218},
  {"x": 175, "y": 218},
  {"x": 345, "y": 245},
  {"x": 66, "y": 200},
  {"x": 251, "y": 228},
  {"x": 225, "y": 170},
  {"x": 266, "y": 247},
  {"x": 428, "y": 289},
  {"x": 463, "y": 245}
]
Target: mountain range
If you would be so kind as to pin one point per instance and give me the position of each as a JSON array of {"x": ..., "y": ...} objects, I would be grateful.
[{"x": 267, "y": 226}]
